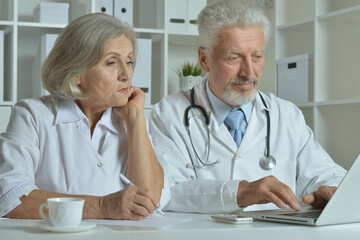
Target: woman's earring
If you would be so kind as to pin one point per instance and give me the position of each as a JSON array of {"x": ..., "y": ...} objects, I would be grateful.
[{"x": 77, "y": 80}]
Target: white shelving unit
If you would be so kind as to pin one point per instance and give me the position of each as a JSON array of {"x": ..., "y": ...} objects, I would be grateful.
[
  {"x": 330, "y": 31},
  {"x": 169, "y": 48},
  {"x": 22, "y": 36}
]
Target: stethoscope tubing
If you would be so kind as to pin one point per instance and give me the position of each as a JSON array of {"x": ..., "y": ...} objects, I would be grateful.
[
  {"x": 267, "y": 126},
  {"x": 266, "y": 163}
]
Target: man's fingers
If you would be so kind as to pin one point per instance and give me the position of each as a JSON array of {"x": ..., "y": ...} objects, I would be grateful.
[
  {"x": 309, "y": 199},
  {"x": 294, "y": 204},
  {"x": 326, "y": 192},
  {"x": 277, "y": 201},
  {"x": 319, "y": 198},
  {"x": 314, "y": 200},
  {"x": 283, "y": 193},
  {"x": 268, "y": 189},
  {"x": 286, "y": 195}
]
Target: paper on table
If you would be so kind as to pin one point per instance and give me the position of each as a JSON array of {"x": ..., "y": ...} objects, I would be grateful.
[{"x": 151, "y": 221}]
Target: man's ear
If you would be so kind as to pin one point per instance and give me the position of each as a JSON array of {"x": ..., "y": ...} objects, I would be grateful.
[{"x": 203, "y": 59}]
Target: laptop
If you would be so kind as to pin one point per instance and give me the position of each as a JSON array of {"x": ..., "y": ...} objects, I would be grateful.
[{"x": 343, "y": 207}]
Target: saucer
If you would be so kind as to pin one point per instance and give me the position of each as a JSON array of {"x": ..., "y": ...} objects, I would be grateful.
[{"x": 83, "y": 226}]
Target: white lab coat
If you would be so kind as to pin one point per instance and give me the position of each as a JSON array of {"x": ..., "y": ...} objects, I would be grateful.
[
  {"x": 302, "y": 163},
  {"x": 48, "y": 146}
]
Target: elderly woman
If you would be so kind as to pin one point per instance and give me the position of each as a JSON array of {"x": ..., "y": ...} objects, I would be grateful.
[{"x": 78, "y": 140}]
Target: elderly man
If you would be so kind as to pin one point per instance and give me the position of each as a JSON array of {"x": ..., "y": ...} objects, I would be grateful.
[{"x": 224, "y": 145}]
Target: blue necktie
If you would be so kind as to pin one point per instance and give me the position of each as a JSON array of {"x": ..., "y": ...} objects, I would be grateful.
[{"x": 233, "y": 122}]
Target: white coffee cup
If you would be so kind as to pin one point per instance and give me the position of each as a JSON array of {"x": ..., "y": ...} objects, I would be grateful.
[{"x": 63, "y": 212}]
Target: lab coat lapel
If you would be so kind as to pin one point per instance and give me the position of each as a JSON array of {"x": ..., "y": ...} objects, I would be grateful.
[
  {"x": 222, "y": 135},
  {"x": 256, "y": 128},
  {"x": 219, "y": 133}
]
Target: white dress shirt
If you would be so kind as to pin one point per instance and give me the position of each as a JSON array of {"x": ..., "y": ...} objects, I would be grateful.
[
  {"x": 48, "y": 146},
  {"x": 220, "y": 109}
]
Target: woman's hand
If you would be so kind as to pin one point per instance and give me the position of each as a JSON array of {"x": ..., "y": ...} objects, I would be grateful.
[
  {"x": 135, "y": 106},
  {"x": 143, "y": 168},
  {"x": 132, "y": 203}
]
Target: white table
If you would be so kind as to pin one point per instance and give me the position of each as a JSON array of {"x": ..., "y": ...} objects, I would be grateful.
[{"x": 200, "y": 227}]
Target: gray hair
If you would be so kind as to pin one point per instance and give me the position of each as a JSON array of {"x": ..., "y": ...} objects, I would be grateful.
[
  {"x": 78, "y": 48},
  {"x": 226, "y": 13}
]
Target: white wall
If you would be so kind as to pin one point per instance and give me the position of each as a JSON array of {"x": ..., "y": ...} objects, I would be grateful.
[{"x": 267, "y": 83}]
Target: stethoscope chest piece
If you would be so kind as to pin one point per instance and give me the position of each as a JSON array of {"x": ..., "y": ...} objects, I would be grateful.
[{"x": 267, "y": 162}]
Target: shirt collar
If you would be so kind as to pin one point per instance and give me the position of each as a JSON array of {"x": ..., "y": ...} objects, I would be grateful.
[
  {"x": 69, "y": 111},
  {"x": 220, "y": 109},
  {"x": 108, "y": 121}
]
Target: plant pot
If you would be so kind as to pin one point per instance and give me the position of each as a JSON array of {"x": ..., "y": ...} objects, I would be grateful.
[{"x": 187, "y": 82}]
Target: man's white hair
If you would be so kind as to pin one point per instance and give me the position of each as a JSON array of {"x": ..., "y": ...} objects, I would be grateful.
[{"x": 226, "y": 13}]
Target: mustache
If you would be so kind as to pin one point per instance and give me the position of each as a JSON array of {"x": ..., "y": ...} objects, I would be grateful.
[{"x": 244, "y": 80}]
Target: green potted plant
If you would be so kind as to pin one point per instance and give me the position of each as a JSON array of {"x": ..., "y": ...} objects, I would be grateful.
[{"x": 190, "y": 74}]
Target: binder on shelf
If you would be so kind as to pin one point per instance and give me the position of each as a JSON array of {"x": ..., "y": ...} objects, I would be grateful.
[
  {"x": 2, "y": 53},
  {"x": 46, "y": 44},
  {"x": 295, "y": 78},
  {"x": 104, "y": 6},
  {"x": 177, "y": 17},
  {"x": 123, "y": 10},
  {"x": 142, "y": 74},
  {"x": 194, "y": 8},
  {"x": 183, "y": 14}
]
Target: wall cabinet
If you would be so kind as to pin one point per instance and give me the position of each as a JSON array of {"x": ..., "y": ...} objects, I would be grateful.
[{"x": 329, "y": 30}]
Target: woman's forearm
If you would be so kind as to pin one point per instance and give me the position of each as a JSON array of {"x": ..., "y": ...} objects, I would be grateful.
[
  {"x": 29, "y": 207},
  {"x": 143, "y": 167}
]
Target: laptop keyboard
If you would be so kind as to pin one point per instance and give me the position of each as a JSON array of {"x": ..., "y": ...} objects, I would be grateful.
[{"x": 304, "y": 214}]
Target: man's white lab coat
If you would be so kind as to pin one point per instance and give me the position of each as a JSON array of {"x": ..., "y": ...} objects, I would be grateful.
[{"x": 301, "y": 162}]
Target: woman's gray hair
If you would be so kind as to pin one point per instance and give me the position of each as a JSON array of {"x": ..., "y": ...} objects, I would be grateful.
[
  {"x": 78, "y": 48},
  {"x": 226, "y": 13}
]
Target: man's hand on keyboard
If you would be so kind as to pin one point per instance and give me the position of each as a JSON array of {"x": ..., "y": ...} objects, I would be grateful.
[
  {"x": 319, "y": 198},
  {"x": 267, "y": 190}
]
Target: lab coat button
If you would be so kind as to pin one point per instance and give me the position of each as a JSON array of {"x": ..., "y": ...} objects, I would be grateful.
[
  {"x": 99, "y": 164},
  {"x": 192, "y": 177}
]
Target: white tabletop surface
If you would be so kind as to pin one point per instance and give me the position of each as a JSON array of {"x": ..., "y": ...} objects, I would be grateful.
[{"x": 200, "y": 227}]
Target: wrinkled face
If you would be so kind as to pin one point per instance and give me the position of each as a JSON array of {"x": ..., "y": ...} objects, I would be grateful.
[
  {"x": 236, "y": 63},
  {"x": 107, "y": 83}
]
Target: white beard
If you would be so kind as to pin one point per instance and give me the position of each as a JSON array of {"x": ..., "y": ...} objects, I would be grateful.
[{"x": 233, "y": 98}]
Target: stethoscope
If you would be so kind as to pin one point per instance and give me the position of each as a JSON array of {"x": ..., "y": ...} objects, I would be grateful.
[{"x": 266, "y": 162}]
